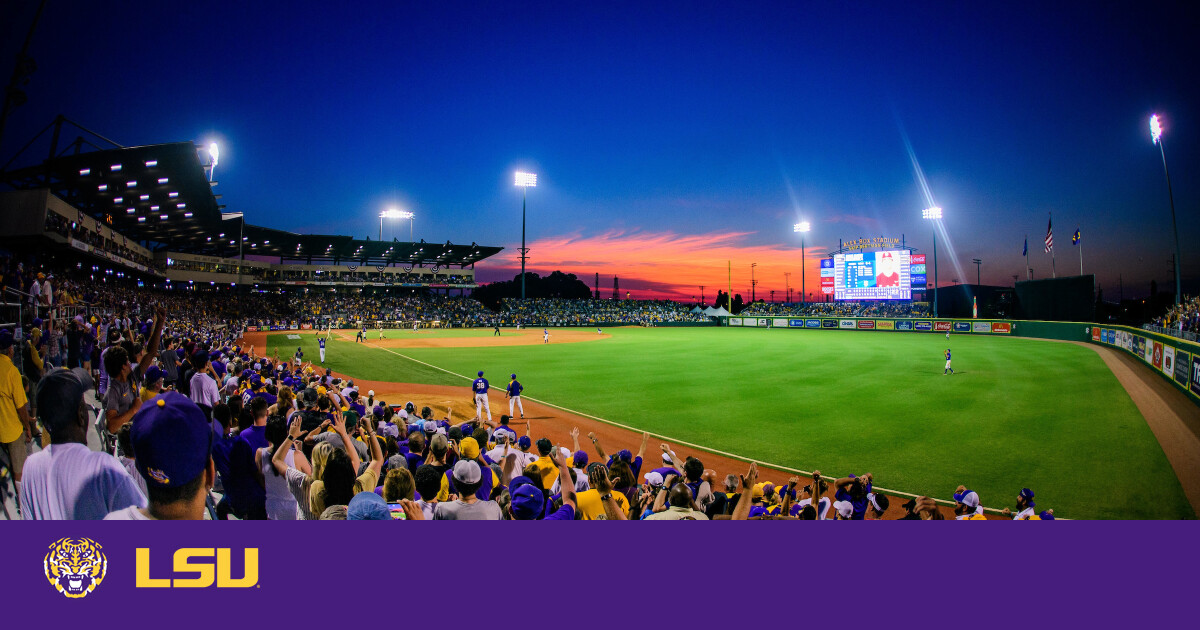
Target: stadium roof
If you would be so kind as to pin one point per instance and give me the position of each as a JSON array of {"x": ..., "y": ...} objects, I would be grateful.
[{"x": 160, "y": 195}]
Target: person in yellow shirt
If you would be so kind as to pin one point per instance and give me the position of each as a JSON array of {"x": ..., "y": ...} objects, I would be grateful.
[
  {"x": 16, "y": 427},
  {"x": 545, "y": 465},
  {"x": 601, "y": 502},
  {"x": 152, "y": 384}
]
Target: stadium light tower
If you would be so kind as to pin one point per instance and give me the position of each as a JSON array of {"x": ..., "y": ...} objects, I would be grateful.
[
  {"x": 214, "y": 152},
  {"x": 525, "y": 181},
  {"x": 393, "y": 213},
  {"x": 1156, "y": 135},
  {"x": 934, "y": 214},
  {"x": 803, "y": 228}
]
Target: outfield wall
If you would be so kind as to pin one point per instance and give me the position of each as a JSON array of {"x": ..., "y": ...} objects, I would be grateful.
[{"x": 1176, "y": 360}]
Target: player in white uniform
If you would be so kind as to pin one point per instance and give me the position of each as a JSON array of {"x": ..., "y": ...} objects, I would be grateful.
[
  {"x": 599, "y": 332},
  {"x": 545, "y": 335},
  {"x": 414, "y": 325},
  {"x": 480, "y": 388},
  {"x": 514, "y": 395},
  {"x": 381, "y": 332}
]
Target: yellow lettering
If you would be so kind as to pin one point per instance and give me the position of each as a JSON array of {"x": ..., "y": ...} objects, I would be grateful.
[
  {"x": 250, "y": 575},
  {"x": 205, "y": 573},
  {"x": 143, "y": 572}
]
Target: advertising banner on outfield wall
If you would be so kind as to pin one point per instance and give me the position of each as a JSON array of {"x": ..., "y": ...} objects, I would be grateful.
[
  {"x": 1003, "y": 328},
  {"x": 846, "y": 323},
  {"x": 1138, "y": 348},
  {"x": 866, "y": 324},
  {"x": 252, "y": 329},
  {"x": 942, "y": 326},
  {"x": 829, "y": 323},
  {"x": 1183, "y": 365},
  {"x": 812, "y": 323},
  {"x": 763, "y": 323},
  {"x": 1168, "y": 362},
  {"x": 981, "y": 327},
  {"x": 904, "y": 324},
  {"x": 735, "y": 321},
  {"x": 885, "y": 324},
  {"x": 796, "y": 323},
  {"x": 305, "y": 326},
  {"x": 962, "y": 326},
  {"x": 780, "y": 322},
  {"x": 1195, "y": 377},
  {"x": 1156, "y": 356},
  {"x": 1097, "y": 336},
  {"x": 1149, "y": 356},
  {"x": 923, "y": 326}
]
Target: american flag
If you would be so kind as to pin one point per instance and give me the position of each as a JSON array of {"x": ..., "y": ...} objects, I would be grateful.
[{"x": 1049, "y": 235}]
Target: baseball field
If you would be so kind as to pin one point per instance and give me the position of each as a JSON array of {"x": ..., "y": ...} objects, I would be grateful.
[{"x": 1016, "y": 413}]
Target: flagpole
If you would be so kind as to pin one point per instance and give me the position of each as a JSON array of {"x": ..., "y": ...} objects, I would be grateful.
[
  {"x": 1081, "y": 256},
  {"x": 1053, "y": 263},
  {"x": 1028, "y": 270}
]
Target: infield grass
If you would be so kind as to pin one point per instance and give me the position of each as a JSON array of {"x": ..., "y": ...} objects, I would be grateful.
[{"x": 1017, "y": 412}]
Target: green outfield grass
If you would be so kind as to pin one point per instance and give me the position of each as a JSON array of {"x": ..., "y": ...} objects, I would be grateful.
[{"x": 1018, "y": 412}]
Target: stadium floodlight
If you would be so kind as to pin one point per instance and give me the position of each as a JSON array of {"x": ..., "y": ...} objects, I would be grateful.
[
  {"x": 1156, "y": 135},
  {"x": 525, "y": 181},
  {"x": 392, "y": 213},
  {"x": 934, "y": 214},
  {"x": 803, "y": 228}
]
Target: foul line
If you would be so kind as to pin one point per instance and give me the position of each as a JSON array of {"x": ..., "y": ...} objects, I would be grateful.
[{"x": 671, "y": 439}]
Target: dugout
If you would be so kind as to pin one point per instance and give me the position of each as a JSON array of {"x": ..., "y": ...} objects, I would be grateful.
[{"x": 1071, "y": 298}]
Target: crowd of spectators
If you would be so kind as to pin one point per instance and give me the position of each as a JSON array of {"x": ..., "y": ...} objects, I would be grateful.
[
  {"x": 840, "y": 309},
  {"x": 1182, "y": 317},
  {"x": 564, "y": 312}
]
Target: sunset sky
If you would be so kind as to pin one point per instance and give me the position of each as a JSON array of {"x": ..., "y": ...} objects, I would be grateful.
[{"x": 669, "y": 138}]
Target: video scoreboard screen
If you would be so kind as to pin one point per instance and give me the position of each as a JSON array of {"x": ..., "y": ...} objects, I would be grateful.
[{"x": 881, "y": 275}]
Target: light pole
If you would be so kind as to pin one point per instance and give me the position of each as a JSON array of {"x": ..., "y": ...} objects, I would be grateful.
[
  {"x": 393, "y": 213},
  {"x": 524, "y": 180},
  {"x": 803, "y": 228},
  {"x": 1156, "y": 134},
  {"x": 213, "y": 153},
  {"x": 934, "y": 214},
  {"x": 787, "y": 284},
  {"x": 753, "y": 282},
  {"x": 979, "y": 262}
]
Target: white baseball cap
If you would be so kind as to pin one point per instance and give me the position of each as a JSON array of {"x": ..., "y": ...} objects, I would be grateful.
[{"x": 845, "y": 509}]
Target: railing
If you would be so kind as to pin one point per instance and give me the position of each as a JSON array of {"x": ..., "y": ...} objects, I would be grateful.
[{"x": 1171, "y": 332}]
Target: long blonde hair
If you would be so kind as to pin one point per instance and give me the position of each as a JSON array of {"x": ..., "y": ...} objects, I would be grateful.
[
  {"x": 320, "y": 457},
  {"x": 283, "y": 403}
]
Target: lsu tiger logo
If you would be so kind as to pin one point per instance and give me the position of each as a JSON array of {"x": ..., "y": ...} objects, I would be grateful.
[{"x": 75, "y": 566}]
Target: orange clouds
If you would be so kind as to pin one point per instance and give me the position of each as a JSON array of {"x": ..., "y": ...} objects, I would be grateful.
[{"x": 666, "y": 264}]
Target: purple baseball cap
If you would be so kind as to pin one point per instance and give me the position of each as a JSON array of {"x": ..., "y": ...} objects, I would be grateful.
[
  {"x": 581, "y": 459},
  {"x": 154, "y": 373},
  {"x": 625, "y": 455},
  {"x": 527, "y": 503},
  {"x": 524, "y": 442},
  {"x": 172, "y": 440}
]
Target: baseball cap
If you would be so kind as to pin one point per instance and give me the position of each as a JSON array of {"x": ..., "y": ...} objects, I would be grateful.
[
  {"x": 512, "y": 376},
  {"x": 480, "y": 372},
  {"x": 172, "y": 440},
  {"x": 371, "y": 392},
  {"x": 1046, "y": 515},
  {"x": 845, "y": 509},
  {"x": 527, "y": 503},
  {"x": 565, "y": 452},
  {"x": 1027, "y": 494},
  {"x": 377, "y": 411},
  {"x": 517, "y": 482},
  {"x": 666, "y": 457},
  {"x": 758, "y": 510},
  {"x": 367, "y": 506},
  {"x": 501, "y": 437},
  {"x": 968, "y": 498},
  {"x": 581, "y": 459},
  {"x": 757, "y": 490},
  {"x": 153, "y": 373},
  {"x": 467, "y": 472},
  {"x": 625, "y": 455},
  {"x": 469, "y": 448},
  {"x": 58, "y": 396},
  {"x": 654, "y": 479},
  {"x": 524, "y": 442},
  {"x": 429, "y": 426},
  {"x": 6, "y": 339}
]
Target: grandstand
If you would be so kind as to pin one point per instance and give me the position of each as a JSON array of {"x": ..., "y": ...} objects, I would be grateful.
[{"x": 150, "y": 214}]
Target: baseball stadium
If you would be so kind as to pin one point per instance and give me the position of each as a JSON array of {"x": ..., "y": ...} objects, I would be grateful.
[
  {"x": 261, "y": 263},
  {"x": 907, "y": 407}
]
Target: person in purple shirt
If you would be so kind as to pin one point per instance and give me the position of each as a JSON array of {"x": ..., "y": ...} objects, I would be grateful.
[
  {"x": 247, "y": 497},
  {"x": 528, "y": 503},
  {"x": 635, "y": 463},
  {"x": 855, "y": 490}
]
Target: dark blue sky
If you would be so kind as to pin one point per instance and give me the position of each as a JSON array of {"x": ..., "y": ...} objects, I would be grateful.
[{"x": 650, "y": 125}]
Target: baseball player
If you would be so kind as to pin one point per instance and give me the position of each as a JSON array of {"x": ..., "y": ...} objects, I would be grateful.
[
  {"x": 381, "y": 332},
  {"x": 947, "y": 335},
  {"x": 480, "y": 387},
  {"x": 414, "y": 325},
  {"x": 321, "y": 345},
  {"x": 599, "y": 332},
  {"x": 948, "y": 368},
  {"x": 514, "y": 395},
  {"x": 496, "y": 327},
  {"x": 298, "y": 356},
  {"x": 545, "y": 335}
]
